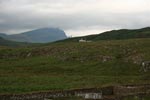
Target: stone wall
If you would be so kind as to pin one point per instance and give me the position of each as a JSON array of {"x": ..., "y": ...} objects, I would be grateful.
[
  {"x": 131, "y": 90},
  {"x": 93, "y": 93}
]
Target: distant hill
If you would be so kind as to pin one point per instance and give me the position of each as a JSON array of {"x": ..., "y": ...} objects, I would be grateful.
[
  {"x": 116, "y": 35},
  {"x": 42, "y": 35},
  {"x": 4, "y": 42},
  {"x": 3, "y": 35}
]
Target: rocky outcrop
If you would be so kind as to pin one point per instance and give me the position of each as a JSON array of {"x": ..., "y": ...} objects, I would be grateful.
[{"x": 146, "y": 66}]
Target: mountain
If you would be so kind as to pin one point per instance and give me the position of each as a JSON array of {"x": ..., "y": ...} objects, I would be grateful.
[
  {"x": 42, "y": 35},
  {"x": 116, "y": 35}
]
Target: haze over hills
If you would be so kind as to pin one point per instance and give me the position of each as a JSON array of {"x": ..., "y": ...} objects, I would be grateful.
[
  {"x": 2, "y": 35},
  {"x": 115, "y": 35},
  {"x": 42, "y": 35}
]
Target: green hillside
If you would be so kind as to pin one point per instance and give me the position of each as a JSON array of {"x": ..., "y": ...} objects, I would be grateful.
[
  {"x": 68, "y": 65},
  {"x": 8, "y": 43},
  {"x": 116, "y": 35},
  {"x": 4, "y": 42}
]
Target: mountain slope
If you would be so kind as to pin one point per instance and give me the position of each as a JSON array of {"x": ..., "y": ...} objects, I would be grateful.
[
  {"x": 116, "y": 35},
  {"x": 42, "y": 35},
  {"x": 4, "y": 42},
  {"x": 3, "y": 35}
]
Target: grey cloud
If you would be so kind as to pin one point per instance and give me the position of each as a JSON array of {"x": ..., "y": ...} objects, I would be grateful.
[{"x": 21, "y": 15}]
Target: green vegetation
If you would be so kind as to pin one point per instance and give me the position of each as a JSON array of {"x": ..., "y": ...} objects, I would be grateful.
[
  {"x": 71, "y": 65},
  {"x": 115, "y": 35},
  {"x": 4, "y": 42}
]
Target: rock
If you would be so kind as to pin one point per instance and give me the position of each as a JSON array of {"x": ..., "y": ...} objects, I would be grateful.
[
  {"x": 29, "y": 54},
  {"x": 106, "y": 58},
  {"x": 146, "y": 66}
]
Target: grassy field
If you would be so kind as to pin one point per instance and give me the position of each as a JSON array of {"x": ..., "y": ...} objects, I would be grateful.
[{"x": 60, "y": 66}]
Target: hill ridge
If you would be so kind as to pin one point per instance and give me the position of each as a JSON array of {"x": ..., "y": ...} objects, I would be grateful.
[{"x": 115, "y": 35}]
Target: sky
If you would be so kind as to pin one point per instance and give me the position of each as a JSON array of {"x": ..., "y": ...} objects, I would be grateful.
[{"x": 75, "y": 17}]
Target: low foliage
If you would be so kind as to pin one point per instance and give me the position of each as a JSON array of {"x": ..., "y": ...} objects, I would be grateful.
[{"x": 60, "y": 66}]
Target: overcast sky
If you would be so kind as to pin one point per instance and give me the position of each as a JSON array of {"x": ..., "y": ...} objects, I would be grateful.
[{"x": 75, "y": 17}]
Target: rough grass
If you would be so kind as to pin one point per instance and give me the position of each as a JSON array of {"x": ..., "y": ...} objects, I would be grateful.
[{"x": 62, "y": 66}]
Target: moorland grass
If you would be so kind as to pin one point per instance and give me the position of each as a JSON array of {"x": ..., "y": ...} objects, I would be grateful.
[{"x": 62, "y": 66}]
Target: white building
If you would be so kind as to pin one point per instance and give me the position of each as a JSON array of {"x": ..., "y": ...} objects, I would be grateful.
[{"x": 82, "y": 40}]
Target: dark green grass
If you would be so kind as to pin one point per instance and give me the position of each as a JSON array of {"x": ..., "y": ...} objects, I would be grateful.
[{"x": 62, "y": 66}]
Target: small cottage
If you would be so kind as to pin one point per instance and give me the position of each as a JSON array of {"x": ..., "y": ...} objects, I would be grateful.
[{"x": 82, "y": 40}]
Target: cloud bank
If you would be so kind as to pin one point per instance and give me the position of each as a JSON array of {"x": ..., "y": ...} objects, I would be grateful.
[{"x": 76, "y": 17}]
